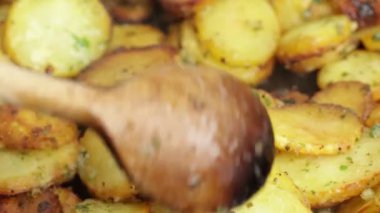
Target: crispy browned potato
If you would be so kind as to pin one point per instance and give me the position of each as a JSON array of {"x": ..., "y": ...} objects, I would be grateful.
[
  {"x": 179, "y": 8},
  {"x": 22, "y": 171},
  {"x": 374, "y": 117},
  {"x": 67, "y": 199},
  {"x": 367, "y": 202},
  {"x": 365, "y": 12},
  {"x": 96, "y": 206},
  {"x": 100, "y": 171},
  {"x": 191, "y": 53},
  {"x": 329, "y": 180},
  {"x": 314, "y": 44},
  {"x": 124, "y": 64},
  {"x": 363, "y": 66},
  {"x": 134, "y": 36},
  {"x": 51, "y": 200},
  {"x": 25, "y": 129},
  {"x": 44, "y": 202},
  {"x": 354, "y": 95},
  {"x": 314, "y": 129},
  {"x": 129, "y": 10}
]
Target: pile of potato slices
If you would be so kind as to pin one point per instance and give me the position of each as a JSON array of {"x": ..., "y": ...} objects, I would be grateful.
[{"x": 327, "y": 142}]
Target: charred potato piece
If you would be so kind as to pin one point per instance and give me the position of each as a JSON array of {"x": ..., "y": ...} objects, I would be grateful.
[
  {"x": 279, "y": 194},
  {"x": 134, "y": 36},
  {"x": 25, "y": 129},
  {"x": 60, "y": 45},
  {"x": 255, "y": 27},
  {"x": 328, "y": 180},
  {"x": 363, "y": 66},
  {"x": 365, "y": 12},
  {"x": 96, "y": 206},
  {"x": 179, "y": 8},
  {"x": 22, "y": 171},
  {"x": 100, "y": 171},
  {"x": 191, "y": 52},
  {"x": 124, "y": 64},
  {"x": 311, "y": 45},
  {"x": 351, "y": 94},
  {"x": 367, "y": 202},
  {"x": 314, "y": 129},
  {"x": 50, "y": 200}
]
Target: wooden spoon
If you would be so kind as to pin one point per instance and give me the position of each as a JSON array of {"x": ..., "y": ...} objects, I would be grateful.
[{"x": 193, "y": 138}]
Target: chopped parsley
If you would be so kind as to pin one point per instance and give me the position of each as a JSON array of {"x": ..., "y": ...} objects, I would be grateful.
[
  {"x": 343, "y": 167},
  {"x": 375, "y": 131},
  {"x": 376, "y": 36},
  {"x": 81, "y": 42}
]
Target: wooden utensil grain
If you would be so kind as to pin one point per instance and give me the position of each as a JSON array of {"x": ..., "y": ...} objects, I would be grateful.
[{"x": 193, "y": 138}]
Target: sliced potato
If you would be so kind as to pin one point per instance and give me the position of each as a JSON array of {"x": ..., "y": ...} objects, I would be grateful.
[
  {"x": 134, "y": 36},
  {"x": 351, "y": 94},
  {"x": 313, "y": 44},
  {"x": 132, "y": 10},
  {"x": 255, "y": 27},
  {"x": 267, "y": 99},
  {"x": 328, "y": 180},
  {"x": 365, "y": 12},
  {"x": 124, "y": 64},
  {"x": 25, "y": 129},
  {"x": 191, "y": 53},
  {"x": 363, "y": 66},
  {"x": 318, "y": 9},
  {"x": 291, "y": 13},
  {"x": 374, "y": 117},
  {"x": 43, "y": 202},
  {"x": 367, "y": 202},
  {"x": 4, "y": 10},
  {"x": 67, "y": 199},
  {"x": 315, "y": 129},
  {"x": 100, "y": 172},
  {"x": 291, "y": 96},
  {"x": 61, "y": 45},
  {"x": 22, "y": 171},
  {"x": 96, "y": 206},
  {"x": 278, "y": 195},
  {"x": 173, "y": 37},
  {"x": 370, "y": 38}
]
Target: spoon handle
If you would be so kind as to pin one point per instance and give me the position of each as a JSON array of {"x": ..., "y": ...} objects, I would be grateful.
[{"x": 66, "y": 98}]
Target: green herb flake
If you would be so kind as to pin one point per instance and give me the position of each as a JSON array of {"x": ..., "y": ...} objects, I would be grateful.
[
  {"x": 81, "y": 42},
  {"x": 343, "y": 167},
  {"x": 376, "y": 36},
  {"x": 375, "y": 131}
]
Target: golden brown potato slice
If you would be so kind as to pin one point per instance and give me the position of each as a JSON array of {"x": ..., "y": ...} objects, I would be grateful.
[
  {"x": 43, "y": 202},
  {"x": 318, "y": 9},
  {"x": 100, "y": 172},
  {"x": 363, "y": 66},
  {"x": 267, "y": 99},
  {"x": 367, "y": 202},
  {"x": 60, "y": 45},
  {"x": 191, "y": 53},
  {"x": 328, "y": 180},
  {"x": 134, "y": 36},
  {"x": 350, "y": 94},
  {"x": 22, "y": 171},
  {"x": 365, "y": 12},
  {"x": 370, "y": 38},
  {"x": 374, "y": 117},
  {"x": 96, "y": 206},
  {"x": 25, "y": 129},
  {"x": 236, "y": 38},
  {"x": 311, "y": 45},
  {"x": 67, "y": 199},
  {"x": 314, "y": 129},
  {"x": 278, "y": 195},
  {"x": 124, "y": 64}
]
